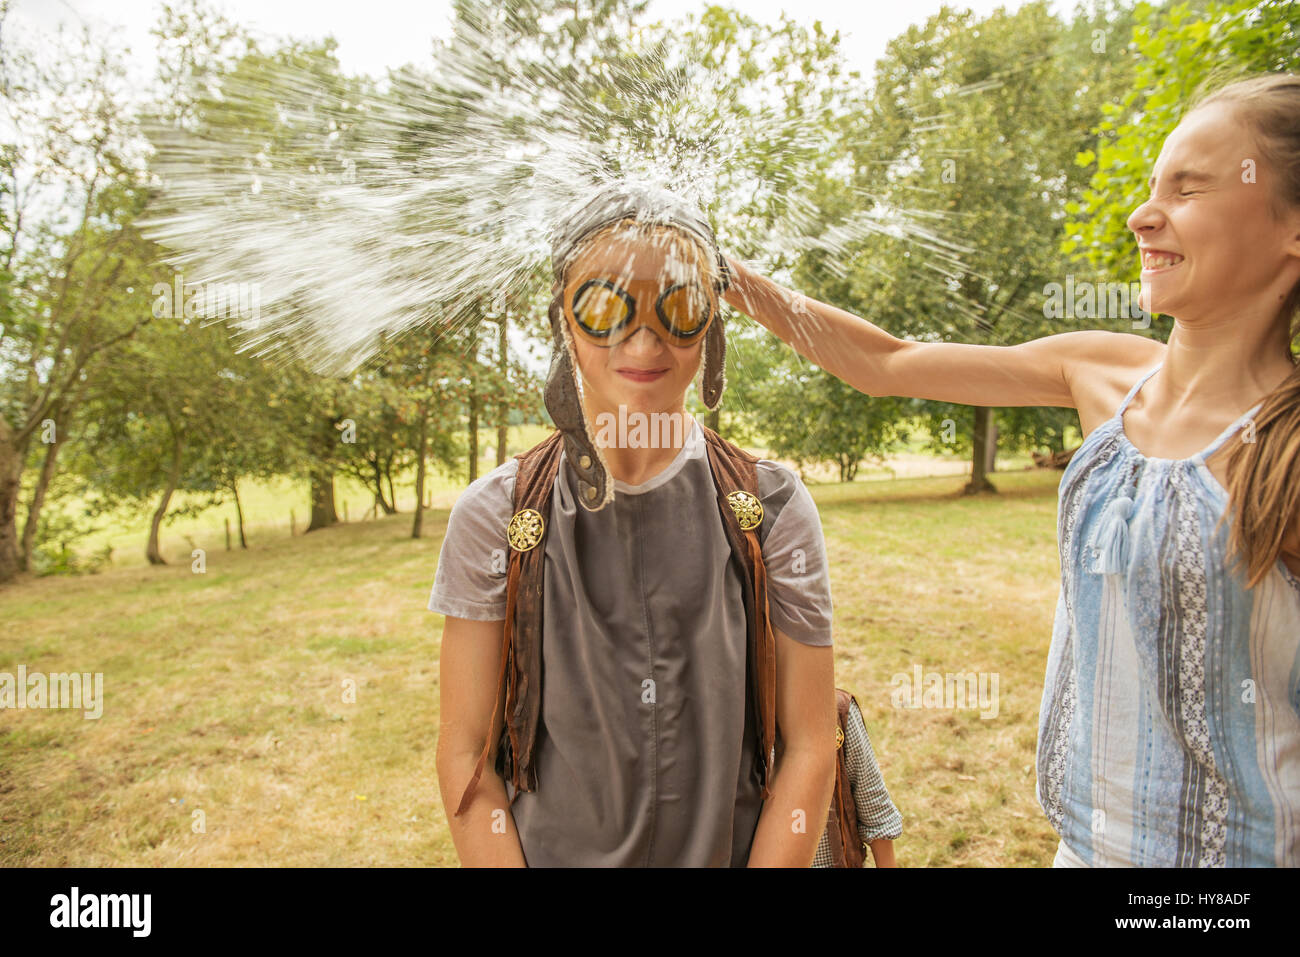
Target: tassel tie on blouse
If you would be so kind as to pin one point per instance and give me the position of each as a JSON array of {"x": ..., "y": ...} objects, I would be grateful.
[{"x": 1111, "y": 543}]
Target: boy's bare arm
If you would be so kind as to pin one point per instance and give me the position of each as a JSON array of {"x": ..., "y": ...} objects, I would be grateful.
[
  {"x": 469, "y": 664},
  {"x": 794, "y": 817},
  {"x": 882, "y": 852}
]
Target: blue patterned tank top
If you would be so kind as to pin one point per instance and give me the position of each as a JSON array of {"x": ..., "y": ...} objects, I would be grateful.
[{"x": 1169, "y": 732}]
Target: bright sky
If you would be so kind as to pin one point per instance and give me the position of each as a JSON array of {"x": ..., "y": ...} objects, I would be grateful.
[{"x": 376, "y": 34}]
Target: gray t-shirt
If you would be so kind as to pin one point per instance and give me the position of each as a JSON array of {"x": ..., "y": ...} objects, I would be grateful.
[{"x": 646, "y": 747}]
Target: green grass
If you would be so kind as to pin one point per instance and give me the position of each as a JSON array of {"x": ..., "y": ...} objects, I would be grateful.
[
  {"x": 225, "y": 691},
  {"x": 923, "y": 575}
]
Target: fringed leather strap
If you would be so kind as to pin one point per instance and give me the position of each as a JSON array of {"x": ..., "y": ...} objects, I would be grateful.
[
  {"x": 846, "y": 810},
  {"x": 734, "y": 470},
  {"x": 520, "y": 677}
]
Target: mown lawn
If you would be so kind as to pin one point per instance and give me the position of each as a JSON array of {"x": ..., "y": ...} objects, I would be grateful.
[{"x": 225, "y": 691}]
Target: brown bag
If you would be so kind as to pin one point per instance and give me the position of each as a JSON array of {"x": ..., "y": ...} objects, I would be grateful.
[
  {"x": 846, "y": 847},
  {"x": 519, "y": 680}
]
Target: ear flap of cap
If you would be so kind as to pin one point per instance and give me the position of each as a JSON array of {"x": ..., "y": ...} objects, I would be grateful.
[
  {"x": 564, "y": 404},
  {"x": 714, "y": 378}
]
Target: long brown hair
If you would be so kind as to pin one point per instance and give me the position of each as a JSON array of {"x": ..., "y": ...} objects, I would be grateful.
[{"x": 1264, "y": 462}]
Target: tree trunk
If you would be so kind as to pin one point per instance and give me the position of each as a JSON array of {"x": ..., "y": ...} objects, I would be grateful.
[
  {"x": 38, "y": 500},
  {"x": 473, "y": 437},
  {"x": 320, "y": 473},
  {"x": 152, "y": 552},
  {"x": 983, "y": 439},
  {"x": 239, "y": 511},
  {"x": 380, "y": 500},
  {"x": 322, "y": 499},
  {"x": 388, "y": 474},
  {"x": 11, "y": 475},
  {"x": 503, "y": 409},
  {"x": 379, "y": 485},
  {"x": 417, "y": 526}
]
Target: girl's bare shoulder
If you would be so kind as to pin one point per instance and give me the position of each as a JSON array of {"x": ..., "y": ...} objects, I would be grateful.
[{"x": 1103, "y": 366}]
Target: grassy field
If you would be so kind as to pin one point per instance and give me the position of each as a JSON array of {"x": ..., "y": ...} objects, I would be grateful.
[
  {"x": 272, "y": 509},
  {"x": 225, "y": 691}
]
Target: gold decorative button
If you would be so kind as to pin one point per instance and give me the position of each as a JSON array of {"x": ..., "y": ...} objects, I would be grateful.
[
  {"x": 525, "y": 530},
  {"x": 591, "y": 492},
  {"x": 748, "y": 509},
  {"x": 585, "y": 461},
  {"x": 839, "y": 738}
]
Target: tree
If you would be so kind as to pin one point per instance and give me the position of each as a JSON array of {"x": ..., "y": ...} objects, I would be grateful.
[
  {"x": 974, "y": 125},
  {"x": 1180, "y": 47},
  {"x": 71, "y": 258},
  {"x": 427, "y": 373},
  {"x": 179, "y": 409},
  {"x": 256, "y": 125},
  {"x": 756, "y": 112}
]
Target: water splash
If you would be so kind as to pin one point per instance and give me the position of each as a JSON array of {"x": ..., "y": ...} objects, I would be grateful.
[{"x": 362, "y": 213}]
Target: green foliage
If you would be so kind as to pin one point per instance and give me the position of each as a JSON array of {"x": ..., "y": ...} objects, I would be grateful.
[
  {"x": 801, "y": 412},
  {"x": 1016, "y": 144},
  {"x": 53, "y": 557},
  {"x": 972, "y": 130},
  {"x": 1181, "y": 48},
  {"x": 55, "y": 550},
  {"x": 72, "y": 262}
]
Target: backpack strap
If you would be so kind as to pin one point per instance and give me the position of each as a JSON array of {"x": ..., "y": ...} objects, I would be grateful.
[
  {"x": 844, "y": 806},
  {"x": 736, "y": 478},
  {"x": 519, "y": 681},
  {"x": 520, "y": 678}
]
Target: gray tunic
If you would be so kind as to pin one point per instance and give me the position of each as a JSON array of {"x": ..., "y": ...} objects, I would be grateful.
[{"x": 645, "y": 748}]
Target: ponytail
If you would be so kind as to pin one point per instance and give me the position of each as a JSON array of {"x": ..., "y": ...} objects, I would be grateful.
[
  {"x": 1264, "y": 480},
  {"x": 1264, "y": 460}
]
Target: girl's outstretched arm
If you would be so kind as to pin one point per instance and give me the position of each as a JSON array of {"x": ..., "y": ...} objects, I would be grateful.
[{"x": 1053, "y": 371}]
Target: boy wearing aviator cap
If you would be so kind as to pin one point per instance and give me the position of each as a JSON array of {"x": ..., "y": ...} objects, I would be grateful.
[{"x": 605, "y": 692}]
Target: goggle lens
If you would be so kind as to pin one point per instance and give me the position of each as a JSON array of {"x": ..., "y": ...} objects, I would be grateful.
[
  {"x": 684, "y": 310},
  {"x": 601, "y": 309},
  {"x": 604, "y": 311}
]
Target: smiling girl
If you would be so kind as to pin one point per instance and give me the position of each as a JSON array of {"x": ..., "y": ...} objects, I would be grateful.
[{"x": 1169, "y": 733}]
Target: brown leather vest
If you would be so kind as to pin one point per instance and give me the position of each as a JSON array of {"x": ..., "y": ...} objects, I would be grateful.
[{"x": 521, "y": 647}]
